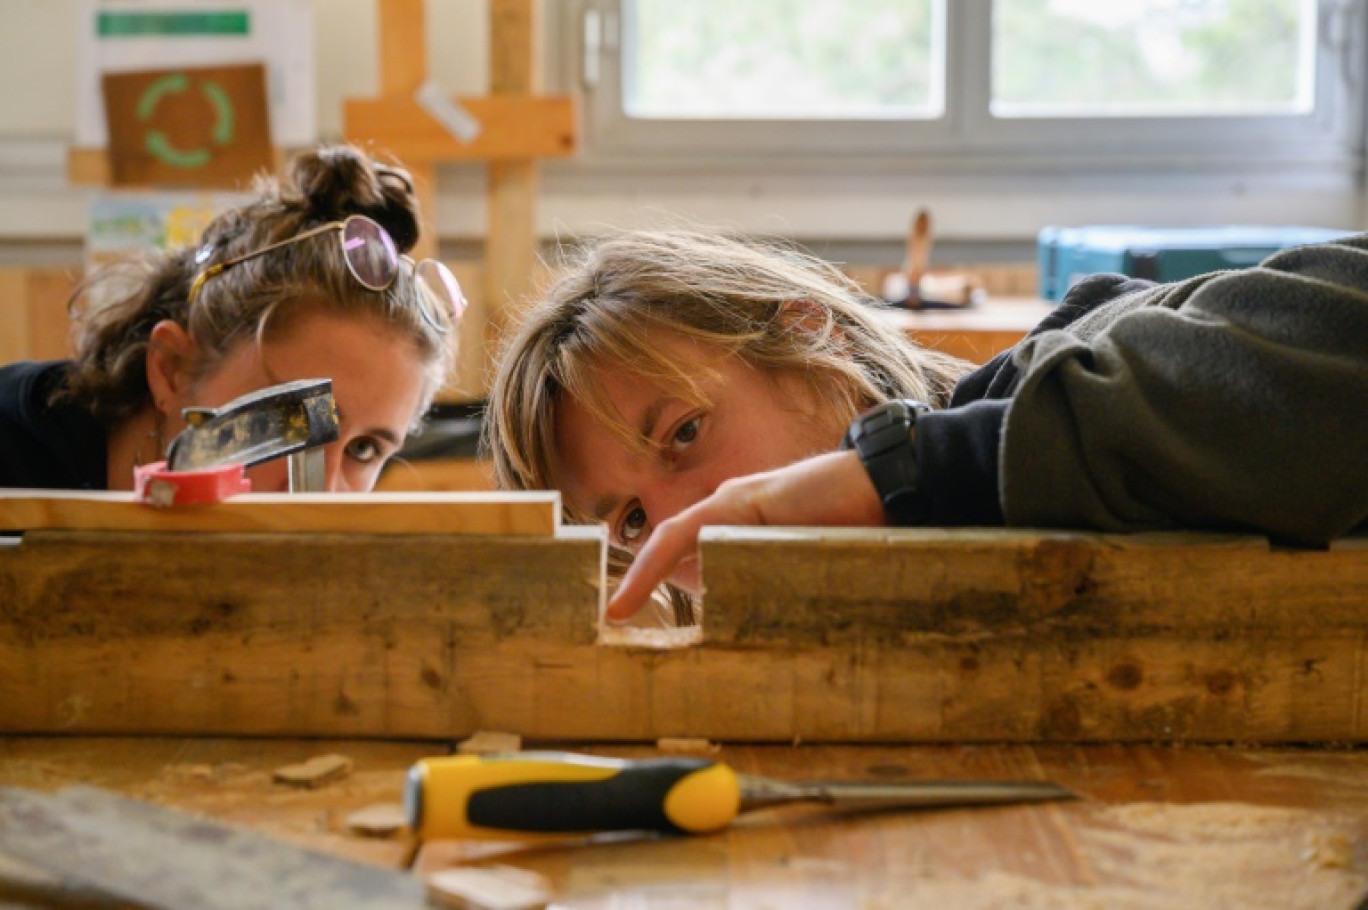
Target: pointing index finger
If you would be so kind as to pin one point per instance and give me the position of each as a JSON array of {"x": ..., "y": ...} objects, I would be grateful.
[{"x": 673, "y": 542}]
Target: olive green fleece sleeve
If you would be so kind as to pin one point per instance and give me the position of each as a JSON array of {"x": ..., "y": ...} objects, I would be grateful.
[{"x": 1237, "y": 401}]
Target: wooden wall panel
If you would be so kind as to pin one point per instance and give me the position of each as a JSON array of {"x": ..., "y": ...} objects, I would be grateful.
[{"x": 34, "y": 324}]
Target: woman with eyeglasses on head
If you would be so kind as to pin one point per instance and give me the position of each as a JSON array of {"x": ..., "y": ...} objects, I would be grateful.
[{"x": 307, "y": 280}]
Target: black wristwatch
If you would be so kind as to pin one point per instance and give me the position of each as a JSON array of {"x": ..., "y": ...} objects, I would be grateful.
[{"x": 883, "y": 436}]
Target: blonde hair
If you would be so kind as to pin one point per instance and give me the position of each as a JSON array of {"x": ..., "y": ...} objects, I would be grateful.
[
  {"x": 258, "y": 297},
  {"x": 773, "y": 306}
]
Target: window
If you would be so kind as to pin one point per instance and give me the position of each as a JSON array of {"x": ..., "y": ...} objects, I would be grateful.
[
  {"x": 756, "y": 60},
  {"x": 960, "y": 84}
]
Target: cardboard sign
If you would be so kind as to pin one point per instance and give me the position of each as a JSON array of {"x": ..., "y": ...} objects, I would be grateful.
[{"x": 203, "y": 127}]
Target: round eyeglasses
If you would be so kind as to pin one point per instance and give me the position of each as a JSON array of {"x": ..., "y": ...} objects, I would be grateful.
[{"x": 373, "y": 260}]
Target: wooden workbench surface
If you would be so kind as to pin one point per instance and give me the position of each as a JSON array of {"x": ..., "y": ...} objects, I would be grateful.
[{"x": 1156, "y": 827}]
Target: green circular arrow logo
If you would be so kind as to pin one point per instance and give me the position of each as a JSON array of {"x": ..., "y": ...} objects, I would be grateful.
[{"x": 160, "y": 147}]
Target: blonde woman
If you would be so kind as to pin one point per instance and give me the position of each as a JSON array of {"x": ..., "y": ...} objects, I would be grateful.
[
  {"x": 664, "y": 363},
  {"x": 672, "y": 380},
  {"x": 309, "y": 279}
]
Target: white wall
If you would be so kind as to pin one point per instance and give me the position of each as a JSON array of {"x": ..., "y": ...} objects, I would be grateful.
[{"x": 37, "y": 111}]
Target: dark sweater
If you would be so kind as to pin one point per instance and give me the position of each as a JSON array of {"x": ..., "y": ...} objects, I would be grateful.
[
  {"x": 43, "y": 445},
  {"x": 1233, "y": 401}
]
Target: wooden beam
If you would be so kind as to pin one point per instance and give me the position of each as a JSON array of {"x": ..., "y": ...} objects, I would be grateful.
[
  {"x": 836, "y": 636},
  {"x": 403, "y": 46},
  {"x": 500, "y": 514},
  {"x": 510, "y": 128},
  {"x": 511, "y": 249},
  {"x": 403, "y": 69},
  {"x": 376, "y": 635},
  {"x": 1013, "y": 635}
]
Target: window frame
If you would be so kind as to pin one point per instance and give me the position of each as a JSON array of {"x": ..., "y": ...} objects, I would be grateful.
[{"x": 588, "y": 59}]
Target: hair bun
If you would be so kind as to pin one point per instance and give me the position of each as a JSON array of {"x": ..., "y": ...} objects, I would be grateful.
[{"x": 337, "y": 181}]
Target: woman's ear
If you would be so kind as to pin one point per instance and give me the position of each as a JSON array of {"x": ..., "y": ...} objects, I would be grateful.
[{"x": 171, "y": 355}]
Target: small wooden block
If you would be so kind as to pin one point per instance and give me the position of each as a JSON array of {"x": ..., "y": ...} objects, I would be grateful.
[
  {"x": 483, "y": 743},
  {"x": 491, "y": 888},
  {"x": 316, "y": 772},
  {"x": 378, "y": 820},
  {"x": 687, "y": 745}
]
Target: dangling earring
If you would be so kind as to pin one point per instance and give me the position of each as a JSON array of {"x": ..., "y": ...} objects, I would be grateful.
[{"x": 156, "y": 435}]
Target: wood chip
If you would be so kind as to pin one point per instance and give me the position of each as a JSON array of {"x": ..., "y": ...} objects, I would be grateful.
[
  {"x": 316, "y": 772},
  {"x": 489, "y": 888},
  {"x": 687, "y": 745},
  {"x": 378, "y": 820},
  {"x": 484, "y": 743}
]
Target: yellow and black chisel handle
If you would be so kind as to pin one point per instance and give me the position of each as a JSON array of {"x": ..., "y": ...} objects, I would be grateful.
[{"x": 531, "y": 794}]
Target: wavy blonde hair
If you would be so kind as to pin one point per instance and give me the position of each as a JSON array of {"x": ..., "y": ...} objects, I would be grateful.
[{"x": 777, "y": 308}]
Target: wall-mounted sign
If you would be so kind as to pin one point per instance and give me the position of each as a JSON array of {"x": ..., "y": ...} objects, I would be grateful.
[
  {"x": 205, "y": 126},
  {"x": 136, "y": 35}
]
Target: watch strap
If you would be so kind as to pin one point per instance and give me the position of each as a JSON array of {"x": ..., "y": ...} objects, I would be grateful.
[{"x": 884, "y": 438}]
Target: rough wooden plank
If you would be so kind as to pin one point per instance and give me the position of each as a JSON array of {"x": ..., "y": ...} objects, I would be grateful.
[
  {"x": 312, "y": 635},
  {"x": 807, "y": 635},
  {"x": 865, "y": 583},
  {"x": 511, "y": 127},
  {"x": 484, "y": 513},
  {"x": 982, "y": 635}
]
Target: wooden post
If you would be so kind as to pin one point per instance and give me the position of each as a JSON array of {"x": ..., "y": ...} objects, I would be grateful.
[
  {"x": 516, "y": 128},
  {"x": 511, "y": 247},
  {"x": 403, "y": 69}
]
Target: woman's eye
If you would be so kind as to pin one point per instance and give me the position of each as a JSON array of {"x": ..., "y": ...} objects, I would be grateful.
[
  {"x": 363, "y": 450},
  {"x": 687, "y": 433},
  {"x": 633, "y": 525}
]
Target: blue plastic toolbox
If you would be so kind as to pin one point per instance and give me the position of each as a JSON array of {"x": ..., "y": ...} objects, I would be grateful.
[{"x": 1067, "y": 254}]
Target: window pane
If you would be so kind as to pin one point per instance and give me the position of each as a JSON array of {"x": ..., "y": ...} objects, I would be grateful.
[
  {"x": 1152, "y": 57},
  {"x": 771, "y": 59}
]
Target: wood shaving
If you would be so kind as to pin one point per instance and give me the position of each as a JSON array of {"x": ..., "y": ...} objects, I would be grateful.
[
  {"x": 683, "y": 745},
  {"x": 318, "y": 771},
  {"x": 378, "y": 820},
  {"x": 486, "y": 743},
  {"x": 489, "y": 888}
]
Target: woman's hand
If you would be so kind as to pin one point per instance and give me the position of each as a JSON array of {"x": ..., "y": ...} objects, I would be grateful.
[{"x": 830, "y": 490}]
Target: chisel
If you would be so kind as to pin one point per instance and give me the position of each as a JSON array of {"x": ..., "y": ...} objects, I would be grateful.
[{"x": 529, "y": 794}]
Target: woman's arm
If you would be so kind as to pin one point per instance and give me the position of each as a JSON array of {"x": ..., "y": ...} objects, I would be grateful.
[{"x": 1232, "y": 401}]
